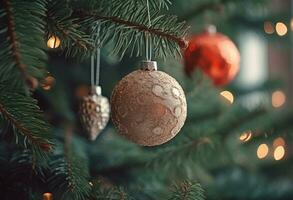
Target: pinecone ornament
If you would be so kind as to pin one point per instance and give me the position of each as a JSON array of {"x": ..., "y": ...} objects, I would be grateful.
[{"x": 94, "y": 112}]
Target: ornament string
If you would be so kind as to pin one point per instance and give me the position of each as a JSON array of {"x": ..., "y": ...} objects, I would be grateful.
[
  {"x": 98, "y": 59},
  {"x": 92, "y": 71},
  {"x": 148, "y": 38},
  {"x": 95, "y": 77}
]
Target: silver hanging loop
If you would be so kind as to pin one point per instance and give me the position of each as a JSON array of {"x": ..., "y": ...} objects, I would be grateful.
[{"x": 148, "y": 38}]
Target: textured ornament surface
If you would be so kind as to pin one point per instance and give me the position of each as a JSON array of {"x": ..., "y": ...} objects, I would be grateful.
[
  {"x": 148, "y": 107},
  {"x": 215, "y": 54},
  {"x": 94, "y": 114}
]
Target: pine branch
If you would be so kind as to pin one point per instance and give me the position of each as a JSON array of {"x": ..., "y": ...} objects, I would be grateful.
[
  {"x": 74, "y": 40},
  {"x": 140, "y": 27},
  {"x": 122, "y": 23},
  {"x": 129, "y": 26},
  {"x": 187, "y": 190},
  {"x": 178, "y": 153},
  {"x": 12, "y": 35},
  {"x": 23, "y": 114},
  {"x": 22, "y": 57},
  {"x": 229, "y": 123},
  {"x": 20, "y": 172},
  {"x": 108, "y": 193},
  {"x": 69, "y": 175}
]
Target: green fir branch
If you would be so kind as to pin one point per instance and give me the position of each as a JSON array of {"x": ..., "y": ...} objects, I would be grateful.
[
  {"x": 129, "y": 27},
  {"x": 187, "y": 190},
  {"x": 122, "y": 23},
  {"x": 23, "y": 114},
  {"x": 22, "y": 54},
  {"x": 74, "y": 40},
  {"x": 180, "y": 153},
  {"x": 100, "y": 192},
  {"x": 69, "y": 175}
]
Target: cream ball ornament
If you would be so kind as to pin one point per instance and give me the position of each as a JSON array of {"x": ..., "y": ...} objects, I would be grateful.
[{"x": 148, "y": 106}]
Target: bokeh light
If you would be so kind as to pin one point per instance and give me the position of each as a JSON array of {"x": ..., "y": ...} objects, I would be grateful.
[
  {"x": 281, "y": 29},
  {"x": 278, "y": 98},
  {"x": 48, "y": 82},
  {"x": 269, "y": 27},
  {"x": 279, "y": 153},
  {"x": 47, "y": 196},
  {"x": 279, "y": 142},
  {"x": 262, "y": 151},
  {"x": 246, "y": 136},
  {"x": 53, "y": 42},
  {"x": 228, "y": 96}
]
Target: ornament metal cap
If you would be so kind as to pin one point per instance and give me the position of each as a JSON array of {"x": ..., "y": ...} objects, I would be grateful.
[
  {"x": 96, "y": 90},
  {"x": 211, "y": 29},
  {"x": 149, "y": 65}
]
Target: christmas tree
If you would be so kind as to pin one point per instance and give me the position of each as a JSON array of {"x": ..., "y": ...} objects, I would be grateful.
[{"x": 189, "y": 130}]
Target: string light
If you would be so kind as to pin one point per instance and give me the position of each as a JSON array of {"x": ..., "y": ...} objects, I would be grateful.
[
  {"x": 279, "y": 153},
  {"x": 53, "y": 42},
  {"x": 291, "y": 24},
  {"x": 91, "y": 184},
  {"x": 47, "y": 196},
  {"x": 281, "y": 29},
  {"x": 227, "y": 95},
  {"x": 262, "y": 151},
  {"x": 278, "y": 98},
  {"x": 269, "y": 27},
  {"x": 48, "y": 82},
  {"x": 246, "y": 136}
]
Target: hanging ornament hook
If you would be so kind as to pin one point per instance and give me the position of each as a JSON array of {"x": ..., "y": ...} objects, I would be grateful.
[
  {"x": 95, "y": 108},
  {"x": 148, "y": 38},
  {"x": 148, "y": 64},
  {"x": 95, "y": 72},
  {"x": 98, "y": 58}
]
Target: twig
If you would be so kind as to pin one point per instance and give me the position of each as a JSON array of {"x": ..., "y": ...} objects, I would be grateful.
[
  {"x": 12, "y": 35},
  {"x": 38, "y": 141},
  {"x": 180, "y": 41}
]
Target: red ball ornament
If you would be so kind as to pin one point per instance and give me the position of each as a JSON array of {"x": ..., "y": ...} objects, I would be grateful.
[{"x": 215, "y": 54}]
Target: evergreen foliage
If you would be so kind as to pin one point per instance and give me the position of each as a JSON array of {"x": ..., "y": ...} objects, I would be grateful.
[
  {"x": 36, "y": 158},
  {"x": 187, "y": 190}
]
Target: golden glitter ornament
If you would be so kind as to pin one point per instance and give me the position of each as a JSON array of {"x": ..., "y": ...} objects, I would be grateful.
[
  {"x": 94, "y": 112},
  {"x": 148, "y": 106}
]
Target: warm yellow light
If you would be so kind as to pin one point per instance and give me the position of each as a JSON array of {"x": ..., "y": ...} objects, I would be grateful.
[
  {"x": 91, "y": 184},
  {"x": 262, "y": 151},
  {"x": 281, "y": 29},
  {"x": 279, "y": 142},
  {"x": 48, "y": 82},
  {"x": 47, "y": 196},
  {"x": 279, "y": 153},
  {"x": 53, "y": 42},
  {"x": 246, "y": 136},
  {"x": 278, "y": 98},
  {"x": 291, "y": 24},
  {"x": 269, "y": 27},
  {"x": 228, "y": 96}
]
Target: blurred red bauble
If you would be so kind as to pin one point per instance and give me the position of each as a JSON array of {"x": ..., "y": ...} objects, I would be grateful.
[{"x": 215, "y": 54}]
